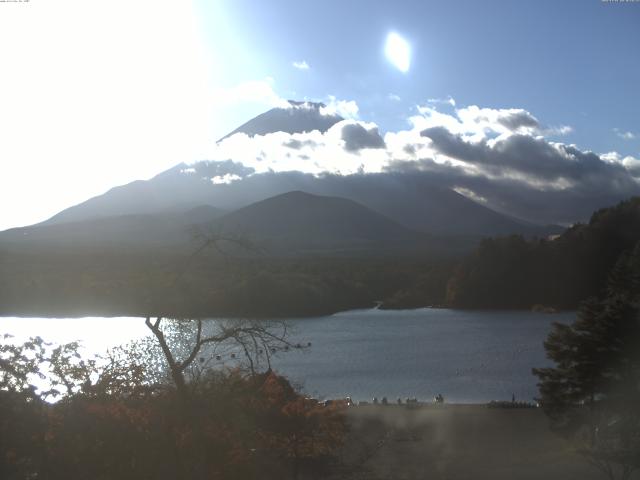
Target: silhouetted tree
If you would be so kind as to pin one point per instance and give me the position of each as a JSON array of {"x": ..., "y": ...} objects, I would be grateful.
[
  {"x": 256, "y": 341},
  {"x": 592, "y": 394}
]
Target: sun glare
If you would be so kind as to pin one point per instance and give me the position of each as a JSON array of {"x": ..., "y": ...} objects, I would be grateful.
[{"x": 398, "y": 52}]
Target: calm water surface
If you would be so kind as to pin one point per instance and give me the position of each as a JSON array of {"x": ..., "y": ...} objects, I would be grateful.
[{"x": 467, "y": 356}]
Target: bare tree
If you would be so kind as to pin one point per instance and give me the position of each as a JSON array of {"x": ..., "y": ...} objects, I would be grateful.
[{"x": 257, "y": 340}]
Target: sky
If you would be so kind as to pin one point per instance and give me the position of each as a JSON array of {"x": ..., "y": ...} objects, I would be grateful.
[{"x": 96, "y": 94}]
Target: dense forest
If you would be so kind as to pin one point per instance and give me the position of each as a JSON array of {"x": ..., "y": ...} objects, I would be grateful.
[
  {"x": 139, "y": 283},
  {"x": 512, "y": 272}
]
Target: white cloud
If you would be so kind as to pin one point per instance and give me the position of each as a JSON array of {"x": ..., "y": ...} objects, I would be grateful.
[
  {"x": 632, "y": 164},
  {"x": 394, "y": 97},
  {"x": 345, "y": 108},
  {"x": 492, "y": 145},
  {"x": 335, "y": 151},
  {"x": 302, "y": 65},
  {"x": 500, "y": 121},
  {"x": 477, "y": 123},
  {"x": 446, "y": 101},
  {"x": 225, "y": 179},
  {"x": 624, "y": 135},
  {"x": 470, "y": 194},
  {"x": 611, "y": 157},
  {"x": 561, "y": 130}
]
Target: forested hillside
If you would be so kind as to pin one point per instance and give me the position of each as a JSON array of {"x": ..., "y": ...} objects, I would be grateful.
[{"x": 512, "y": 272}]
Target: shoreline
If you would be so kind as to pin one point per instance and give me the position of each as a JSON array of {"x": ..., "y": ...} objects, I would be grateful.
[{"x": 379, "y": 308}]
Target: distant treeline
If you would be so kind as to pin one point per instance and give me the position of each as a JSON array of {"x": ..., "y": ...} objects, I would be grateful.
[
  {"x": 112, "y": 283},
  {"x": 513, "y": 272},
  {"x": 507, "y": 272}
]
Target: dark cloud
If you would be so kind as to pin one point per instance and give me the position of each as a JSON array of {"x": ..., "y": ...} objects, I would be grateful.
[
  {"x": 534, "y": 160},
  {"x": 634, "y": 168},
  {"x": 452, "y": 145},
  {"x": 419, "y": 194},
  {"x": 409, "y": 149},
  {"x": 522, "y": 176},
  {"x": 357, "y": 137},
  {"x": 517, "y": 198},
  {"x": 518, "y": 119},
  {"x": 298, "y": 144},
  {"x": 212, "y": 169}
]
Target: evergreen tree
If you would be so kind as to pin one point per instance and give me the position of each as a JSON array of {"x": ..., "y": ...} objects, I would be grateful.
[{"x": 592, "y": 394}]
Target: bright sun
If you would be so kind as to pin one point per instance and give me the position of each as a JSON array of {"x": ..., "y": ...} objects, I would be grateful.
[{"x": 398, "y": 52}]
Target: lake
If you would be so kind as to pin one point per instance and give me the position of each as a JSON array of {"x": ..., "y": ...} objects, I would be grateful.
[{"x": 467, "y": 356}]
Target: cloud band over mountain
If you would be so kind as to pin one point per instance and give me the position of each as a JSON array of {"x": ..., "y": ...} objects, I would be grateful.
[{"x": 506, "y": 159}]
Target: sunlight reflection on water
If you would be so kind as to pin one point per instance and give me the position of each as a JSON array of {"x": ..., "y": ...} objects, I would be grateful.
[
  {"x": 96, "y": 334},
  {"x": 468, "y": 356}
]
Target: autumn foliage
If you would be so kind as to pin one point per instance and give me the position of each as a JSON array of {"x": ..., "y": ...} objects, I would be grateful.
[{"x": 232, "y": 426}]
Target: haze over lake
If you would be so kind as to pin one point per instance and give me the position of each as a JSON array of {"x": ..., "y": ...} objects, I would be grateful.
[{"x": 468, "y": 356}]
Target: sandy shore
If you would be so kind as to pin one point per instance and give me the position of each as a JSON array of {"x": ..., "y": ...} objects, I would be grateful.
[{"x": 458, "y": 442}]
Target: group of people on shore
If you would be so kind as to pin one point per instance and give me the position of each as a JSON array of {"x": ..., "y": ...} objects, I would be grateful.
[{"x": 438, "y": 399}]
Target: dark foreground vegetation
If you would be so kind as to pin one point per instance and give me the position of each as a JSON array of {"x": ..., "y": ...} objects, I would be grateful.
[
  {"x": 118, "y": 418},
  {"x": 122, "y": 421},
  {"x": 238, "y": 426},
  {"x": 592, "y": 393},
  {"x": 232, "y": 427}
]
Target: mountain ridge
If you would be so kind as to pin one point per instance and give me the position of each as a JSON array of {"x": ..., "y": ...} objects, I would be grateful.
[
  {"x": 298, "y": 118},
  {"x": 414, "y": 201},
  {"x": 298, "y": 219}
]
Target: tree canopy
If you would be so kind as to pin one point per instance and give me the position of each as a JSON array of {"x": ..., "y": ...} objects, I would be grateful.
[
  {"x": 592, "y": 393},
  {"x": 116, "y": 417},
  {"x": 513, "y": 272}
]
